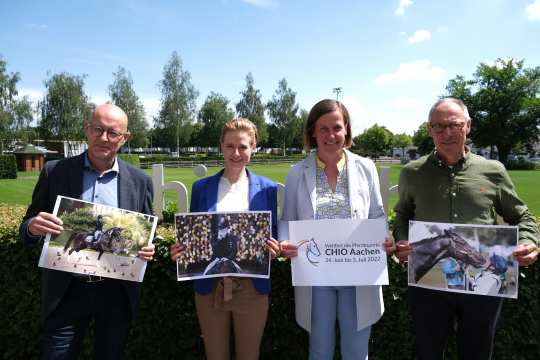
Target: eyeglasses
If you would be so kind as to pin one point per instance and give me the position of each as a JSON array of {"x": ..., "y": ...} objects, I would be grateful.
[
  {"x": 112, "y": 135},
  {"x": 454, "y": 127}
]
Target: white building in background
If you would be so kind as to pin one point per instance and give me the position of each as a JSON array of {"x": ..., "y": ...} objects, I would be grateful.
[{"x": 408, "y": 153}]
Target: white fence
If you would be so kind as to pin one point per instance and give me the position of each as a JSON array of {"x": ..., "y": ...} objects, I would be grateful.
[{"x": 182, "y": 193}]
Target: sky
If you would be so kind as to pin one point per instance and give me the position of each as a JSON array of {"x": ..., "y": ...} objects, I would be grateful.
[{"x": 392, "y": 59}]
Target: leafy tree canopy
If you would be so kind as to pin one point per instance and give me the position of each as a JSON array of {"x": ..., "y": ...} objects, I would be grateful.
[
  {"x": 503, "y": 102},
  {"x": 250, "y": 106}
]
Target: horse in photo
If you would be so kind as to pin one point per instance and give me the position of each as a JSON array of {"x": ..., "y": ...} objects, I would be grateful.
[
  {"x": 110, "y": 241},
  {"x": 428, "y": 252}
]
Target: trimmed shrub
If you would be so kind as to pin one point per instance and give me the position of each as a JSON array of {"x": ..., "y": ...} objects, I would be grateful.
[
  {"x": 8, "y": 167},
  {"x": 167, "y": 326},
  {"x": 131, "y": 158},
  {"x": 520, "y": 164}
]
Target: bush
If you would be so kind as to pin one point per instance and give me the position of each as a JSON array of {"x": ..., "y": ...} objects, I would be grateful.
[
  {"x": 520, "y": 164},
  {"x": 131, "y": 158},
  {"x": 171, "y": 208},
  {"x": 8, "y": 167},
  {"x": 167, "y": 326}
]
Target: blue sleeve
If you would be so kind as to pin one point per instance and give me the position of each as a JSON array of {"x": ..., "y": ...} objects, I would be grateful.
[
  {"x": 272, "y": 201},
  {"x": 448, "y": 266},
  {"x": 194, "y": 203}
]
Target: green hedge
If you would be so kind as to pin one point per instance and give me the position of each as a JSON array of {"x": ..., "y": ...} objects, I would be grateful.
[
  {"x": 216, "y": 156},
  {"x": 8, "y": 167},
  {"x": 520, "y": 164},
  {"x": 167, "y": 327},
  {"x": 131, "y": 158}
]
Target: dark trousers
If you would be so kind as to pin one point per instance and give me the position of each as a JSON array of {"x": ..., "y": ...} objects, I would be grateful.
[
  {"x": 107, "y": 303},
  {"x": 435, "y": 313}
]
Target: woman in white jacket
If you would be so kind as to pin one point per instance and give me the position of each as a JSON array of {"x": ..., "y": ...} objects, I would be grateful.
[{"x": 333, "y": 183}]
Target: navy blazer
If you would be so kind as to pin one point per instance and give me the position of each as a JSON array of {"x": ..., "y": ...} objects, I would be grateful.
[
  {"x": 262, "y": 196},
  {"x": 65, "y": 177}
]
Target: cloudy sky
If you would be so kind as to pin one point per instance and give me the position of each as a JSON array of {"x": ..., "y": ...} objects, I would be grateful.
[{"x": 392, "y": 59}]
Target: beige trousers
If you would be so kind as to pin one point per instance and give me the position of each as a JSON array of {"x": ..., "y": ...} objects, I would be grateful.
[{"x": 233, "y": 301}]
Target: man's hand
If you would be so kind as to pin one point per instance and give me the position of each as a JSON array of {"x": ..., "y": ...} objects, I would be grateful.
[
  {"x": 403, "y": 250},
  {"x": 147, "y": 252},
  {"x": 45, "y": 223},
  {"x": 526, "y": 254}
]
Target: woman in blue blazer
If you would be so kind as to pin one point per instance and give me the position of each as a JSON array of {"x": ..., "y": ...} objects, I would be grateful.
[{"x": 240, "y": 302}]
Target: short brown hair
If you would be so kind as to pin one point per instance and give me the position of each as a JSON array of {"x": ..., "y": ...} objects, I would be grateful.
[
  {"x": 321, "y": 108},
  {"x": 240, "y": 124}
]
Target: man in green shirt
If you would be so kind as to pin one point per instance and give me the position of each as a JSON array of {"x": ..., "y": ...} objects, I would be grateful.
[{"x": 452, "y": 185}]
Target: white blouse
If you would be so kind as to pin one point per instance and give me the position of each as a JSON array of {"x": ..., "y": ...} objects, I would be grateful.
[{"x": 233, "y": 197}]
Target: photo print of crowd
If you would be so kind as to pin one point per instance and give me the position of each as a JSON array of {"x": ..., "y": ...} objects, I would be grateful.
[{"x": 223, "y": 243}]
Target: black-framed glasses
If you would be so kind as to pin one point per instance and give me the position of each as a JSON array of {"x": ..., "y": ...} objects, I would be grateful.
[
  {"x": 439, "y": 128},
  {"x": 112, "y": 135}
]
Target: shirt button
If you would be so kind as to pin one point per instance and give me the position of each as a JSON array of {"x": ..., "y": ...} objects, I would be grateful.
[
  {"x": 453, "y": 194},
  {"x": 455, "y": 215}
]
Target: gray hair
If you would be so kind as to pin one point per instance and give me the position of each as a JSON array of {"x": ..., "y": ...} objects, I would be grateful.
[{"x": 458, "y": 102}]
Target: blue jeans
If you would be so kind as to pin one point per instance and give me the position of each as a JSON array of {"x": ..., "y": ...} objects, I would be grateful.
[
  {"x": 107, "y": 303},
  {"x": 328, "y": 304}
]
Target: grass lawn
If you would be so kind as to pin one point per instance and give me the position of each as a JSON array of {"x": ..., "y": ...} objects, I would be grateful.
[{"x": 19, "y": 191}]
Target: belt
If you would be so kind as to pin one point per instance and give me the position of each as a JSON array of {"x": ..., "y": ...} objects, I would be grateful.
[
  {"x": 224, "y": 290},
  {"x": 88, "y": 278}
]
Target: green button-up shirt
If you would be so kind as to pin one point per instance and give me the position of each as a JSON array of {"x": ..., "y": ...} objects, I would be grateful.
[{"x": 473, "y": 191}]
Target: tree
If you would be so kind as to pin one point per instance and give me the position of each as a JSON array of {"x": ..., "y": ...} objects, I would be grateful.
[
  {"x": 374, "y": 141},
  {"x": 402, "y": 141},
  {"x": 16, "y": 114},
  {"x": 213, "y": 115},
  {"x": 283, "y": 111},
  {"x": 504, "y": 103},
  {"x": 8, "y": 94},
  {"x": 422, "y": 140},
  {"x": 297, "y": 129},
  {"x": 251, "y": 107},
  {"x": 123, "y": 95},
  {"x": 64, "y": 107},
  {"x": 178, "y": 106}
]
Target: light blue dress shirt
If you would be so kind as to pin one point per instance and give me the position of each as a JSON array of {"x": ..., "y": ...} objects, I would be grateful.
[{"x": 100, "y": 189}]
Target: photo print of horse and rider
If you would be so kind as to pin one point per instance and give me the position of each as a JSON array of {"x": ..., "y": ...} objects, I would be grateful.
[
  {"x": 218, "y": 244},
  {"x": 473, "y": 259},
  {"x": 98, "y": 240}
]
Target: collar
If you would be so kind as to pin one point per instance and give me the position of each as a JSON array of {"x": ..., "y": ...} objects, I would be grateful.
[
  {"x": 462, "y": 163},
  {"x": 340, "y": 165},
  {"x": 88, "y": 165}
]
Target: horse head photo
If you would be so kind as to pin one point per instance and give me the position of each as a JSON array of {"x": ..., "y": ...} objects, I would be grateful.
[{"x": 428, "y": 252}]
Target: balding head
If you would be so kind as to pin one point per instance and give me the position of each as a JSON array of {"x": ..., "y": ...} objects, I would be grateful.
[
  {"x": 112, "y": 112},
  {"x": 105, "y": 133}
]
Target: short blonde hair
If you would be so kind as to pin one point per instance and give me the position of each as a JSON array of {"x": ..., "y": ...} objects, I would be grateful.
[{"x": 240, "y": 124}]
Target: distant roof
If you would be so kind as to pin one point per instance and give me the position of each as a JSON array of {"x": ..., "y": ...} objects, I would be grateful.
[{"x": 32, "y": 149}]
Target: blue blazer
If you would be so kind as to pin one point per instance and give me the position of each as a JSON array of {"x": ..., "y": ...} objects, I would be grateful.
[{"x": 262, "y": 196}]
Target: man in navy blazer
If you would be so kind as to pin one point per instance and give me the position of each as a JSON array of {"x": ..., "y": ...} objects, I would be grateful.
[{"x": 70, "y": 301}]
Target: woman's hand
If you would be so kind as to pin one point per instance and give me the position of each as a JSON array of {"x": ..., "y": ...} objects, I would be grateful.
[
  {"x": 273, "y": 246},
  {"x": 176, "y": 250},
  {"x": 288, "y": 250},
  {"x": 389, "y": 246}
]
